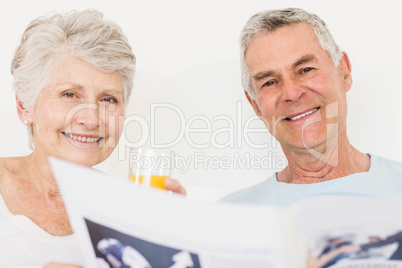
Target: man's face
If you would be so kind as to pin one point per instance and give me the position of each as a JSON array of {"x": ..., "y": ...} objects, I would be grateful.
[{"x": 297, "y": 87}]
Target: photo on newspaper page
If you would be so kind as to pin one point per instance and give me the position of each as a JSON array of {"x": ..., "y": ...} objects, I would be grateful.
[
  {"x": 350, "y": 232},
  {"x": 121, "y": 224},
  {"x": 118, "y": 249}
]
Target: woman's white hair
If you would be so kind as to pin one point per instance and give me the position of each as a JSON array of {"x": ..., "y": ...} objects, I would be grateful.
[
  {"x": 271, "y": 20},
  {"x": 83, "y": 34}
]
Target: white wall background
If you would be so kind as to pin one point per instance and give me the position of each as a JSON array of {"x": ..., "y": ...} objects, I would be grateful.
[{"x": 187, "y": 56}]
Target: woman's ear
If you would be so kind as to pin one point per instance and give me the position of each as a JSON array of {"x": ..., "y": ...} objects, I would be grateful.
[{"x": 23, "y": 113}]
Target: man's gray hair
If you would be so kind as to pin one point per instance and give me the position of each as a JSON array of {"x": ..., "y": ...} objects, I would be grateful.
[
  {"x": 83, "y": 34},
  {"x": 271, "y": 20}
]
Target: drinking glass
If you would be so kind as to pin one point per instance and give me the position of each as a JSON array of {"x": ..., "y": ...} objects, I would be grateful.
[{"x": 150, "y": 166}]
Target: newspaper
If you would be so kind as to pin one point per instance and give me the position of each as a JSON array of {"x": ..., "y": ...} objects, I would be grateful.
[{"x": 121, "y": 224}]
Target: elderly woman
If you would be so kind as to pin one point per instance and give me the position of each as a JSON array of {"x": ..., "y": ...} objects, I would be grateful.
[{"x": 72, "y": 76}]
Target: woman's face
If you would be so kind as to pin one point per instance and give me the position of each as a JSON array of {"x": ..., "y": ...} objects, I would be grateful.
[{"x": 79, "y": 115}]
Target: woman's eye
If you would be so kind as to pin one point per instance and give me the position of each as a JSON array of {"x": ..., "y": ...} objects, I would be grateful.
[
  {"x": 109, "y": 99},
  {"x": 69, "y": 95}
]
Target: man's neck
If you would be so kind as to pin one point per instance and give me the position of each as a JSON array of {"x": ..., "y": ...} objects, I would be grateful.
[{"x": 309, "y": 167}]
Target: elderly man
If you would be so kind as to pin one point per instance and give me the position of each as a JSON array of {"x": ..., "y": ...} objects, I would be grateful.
[{"x": 296, "y": 79}]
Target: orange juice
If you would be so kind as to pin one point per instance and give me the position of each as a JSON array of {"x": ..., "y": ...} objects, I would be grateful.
[{"x": 156, "y": 180}]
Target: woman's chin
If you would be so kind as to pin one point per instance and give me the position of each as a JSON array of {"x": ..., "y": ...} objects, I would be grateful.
[{"x": 88, "y": 161}]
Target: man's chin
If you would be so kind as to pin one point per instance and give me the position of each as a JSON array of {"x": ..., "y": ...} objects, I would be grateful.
[{"x": 308, "y": 144}]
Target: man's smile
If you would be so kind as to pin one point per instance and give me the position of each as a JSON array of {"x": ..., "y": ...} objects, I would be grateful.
[{"x": 296, "y": 117}]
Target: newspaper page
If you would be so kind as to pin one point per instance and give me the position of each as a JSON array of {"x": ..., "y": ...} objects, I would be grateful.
[
  {"x": 121, "y": 224},
  {"x": 350, "y": 232}
]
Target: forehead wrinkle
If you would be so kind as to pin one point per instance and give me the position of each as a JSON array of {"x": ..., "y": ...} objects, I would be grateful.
[
  {"x": 69, "y": 84},
  {"x": 261, "y": 75},
  {"x": 304, "y": 59}
]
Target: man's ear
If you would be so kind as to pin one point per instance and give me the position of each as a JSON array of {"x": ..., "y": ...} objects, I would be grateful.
[
  {"x": 253, "y": 103},
  {"x": 345, "y": 68},
  {"x": 23, "y": 113}
]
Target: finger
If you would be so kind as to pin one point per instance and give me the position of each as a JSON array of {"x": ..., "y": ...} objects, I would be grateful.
[{"x": 174, "y": 186}]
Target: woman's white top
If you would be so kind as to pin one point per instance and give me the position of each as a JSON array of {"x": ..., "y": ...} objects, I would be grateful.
[{"x": 22, "y": 242}]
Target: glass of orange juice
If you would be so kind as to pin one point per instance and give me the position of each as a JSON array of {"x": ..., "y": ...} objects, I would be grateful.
[{"x": 150, "y": 166}]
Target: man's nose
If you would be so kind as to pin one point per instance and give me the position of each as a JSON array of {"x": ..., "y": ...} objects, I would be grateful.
[{"x": 292, "y": 90}]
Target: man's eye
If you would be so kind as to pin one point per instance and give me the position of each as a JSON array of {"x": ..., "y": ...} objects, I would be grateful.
[
  {"x": 306, "y": 70},
  {"x": 268, "y": 84}
]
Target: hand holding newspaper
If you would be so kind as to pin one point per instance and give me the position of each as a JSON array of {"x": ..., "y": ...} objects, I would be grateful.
[{"x": 120, "y": 224}]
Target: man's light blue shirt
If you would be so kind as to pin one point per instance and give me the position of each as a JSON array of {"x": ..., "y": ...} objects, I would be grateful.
[{"x": 384, "y": 179}]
